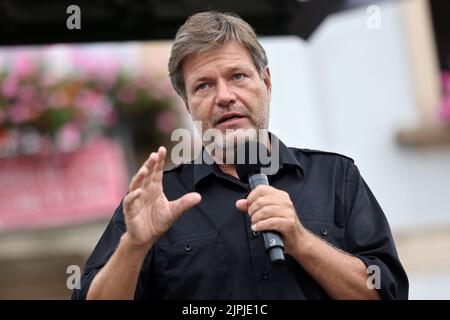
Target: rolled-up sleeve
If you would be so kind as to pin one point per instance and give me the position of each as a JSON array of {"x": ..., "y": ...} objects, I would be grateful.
[
  {"x": 101, "y": 254},
  {"x": 368, "y": 237}
]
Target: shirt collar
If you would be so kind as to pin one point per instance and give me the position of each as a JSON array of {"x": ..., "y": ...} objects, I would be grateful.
[
  {"x": 287, "y": 155},
  {"x": 206, "y": 166}
]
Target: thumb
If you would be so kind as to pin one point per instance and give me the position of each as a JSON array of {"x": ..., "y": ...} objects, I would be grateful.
[
  {"x": 242, "y": 204},
  {"x": 184, "y": 203}
]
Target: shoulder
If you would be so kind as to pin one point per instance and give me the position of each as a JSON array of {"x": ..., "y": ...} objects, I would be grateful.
[
  {"x": 326, "y": 162},
  {"x": 311, "y": 153}
]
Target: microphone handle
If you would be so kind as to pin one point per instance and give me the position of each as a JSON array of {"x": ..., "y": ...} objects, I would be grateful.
[{"x": 272, "y": 239}]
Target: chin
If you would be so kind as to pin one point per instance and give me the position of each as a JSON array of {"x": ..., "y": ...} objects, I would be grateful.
[{"x": 234, "y": 136}]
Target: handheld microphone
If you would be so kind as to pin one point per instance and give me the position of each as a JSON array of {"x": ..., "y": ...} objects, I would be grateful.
[{"x": 248, "y": 167}]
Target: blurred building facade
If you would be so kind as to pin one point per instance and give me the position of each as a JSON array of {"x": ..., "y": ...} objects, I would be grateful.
[{"x": 352, "y": 89}]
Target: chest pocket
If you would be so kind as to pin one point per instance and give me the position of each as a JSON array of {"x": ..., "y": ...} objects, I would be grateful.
[
  {"x": 195, "y": 267},
  {"x": 327, "y": 231}
]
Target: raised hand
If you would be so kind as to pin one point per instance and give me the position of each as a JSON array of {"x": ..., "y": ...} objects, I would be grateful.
[{"x": 148, "y": 213}]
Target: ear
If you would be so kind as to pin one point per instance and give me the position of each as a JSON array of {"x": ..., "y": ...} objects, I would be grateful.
[{"x": 268, "y": 82}]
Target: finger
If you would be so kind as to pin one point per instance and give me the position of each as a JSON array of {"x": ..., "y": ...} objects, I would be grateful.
[
  {"x": 130, "y": 198},
  {"x": 267, "y": 212},
  {"x": 138, "y": 178},
  {"x": 151, "y": 161},
  {"x": 274, "y": 223},
  {"x": 159, "y": 166},
  {"x": 184, "y": 203},
  {"x": 259, "y": 191},
  {"x": 242, "y": 205},
  {"x": 146, "y": 168},
  {"x": 259, "y": 203},
  {"x": 150, "y": 165}
]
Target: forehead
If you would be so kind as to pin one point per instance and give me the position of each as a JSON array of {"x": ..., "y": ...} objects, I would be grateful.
[{"x": 231, "y": 55}]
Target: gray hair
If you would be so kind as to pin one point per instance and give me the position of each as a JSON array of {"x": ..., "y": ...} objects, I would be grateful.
[{"x": 210, "y": 30}]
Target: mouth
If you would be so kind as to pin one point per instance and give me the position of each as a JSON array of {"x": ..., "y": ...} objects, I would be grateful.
[{"x": 230, "y": 118}]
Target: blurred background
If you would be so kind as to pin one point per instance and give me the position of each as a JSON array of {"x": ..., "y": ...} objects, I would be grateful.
[{"x": 83, "y": 102}]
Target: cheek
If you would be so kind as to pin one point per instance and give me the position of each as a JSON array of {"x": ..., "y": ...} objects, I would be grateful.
[
  {"x": 199, "y": 109},
  {"x": 253, "y": 97}
]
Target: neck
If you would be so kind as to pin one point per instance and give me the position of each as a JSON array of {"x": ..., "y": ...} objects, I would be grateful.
[
  {"x": 228, "y": 169},
  {"x": 231, "y": 168}
]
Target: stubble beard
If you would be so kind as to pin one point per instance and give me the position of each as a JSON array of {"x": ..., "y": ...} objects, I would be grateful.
[{"x": 224, "y": 146}]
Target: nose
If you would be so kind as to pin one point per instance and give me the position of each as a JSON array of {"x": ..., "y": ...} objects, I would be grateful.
[{"x": 224, "y": 96}]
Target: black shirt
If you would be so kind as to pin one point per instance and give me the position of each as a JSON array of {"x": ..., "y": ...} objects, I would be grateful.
[{"x": 211, "y": 252}]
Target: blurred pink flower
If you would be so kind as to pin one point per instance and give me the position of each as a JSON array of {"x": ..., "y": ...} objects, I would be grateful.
[
  {"x": 96, "y": 106},
  {"x": 68, "y": 138},
  {"x": 39, "y": 105},
  {"x": 24, "y": 65},
  {"x": 48, "y": 79},
  {"x": 91, "y": 92},
  {"x": 163, "y": 89},
  {"x": 166, "y": 121},
  {"x": 445, "y": 104},
  {"x": 2, "y": 115},
  {"x": 102, "y": 109},
  {"x": 27, "y": 93},
  {"x": 144, "y": 81},
  {"x": 88, "y": 100},
  {"x": 107, "y": 72},
  {"x": 445, "y": 108},
  {"x": 83, "y": 62},
  {"x": 20, "y": 113},
  {"x": 126, "y": 95},
  {"x": 103, "y": 68},
  {"x": 85, "y": 98},
  {"x": 10, "y": 86},
  {"x": 58, "y": 99}
]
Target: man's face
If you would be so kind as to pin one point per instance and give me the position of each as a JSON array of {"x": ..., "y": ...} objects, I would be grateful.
[{"x": 225, "y": 90}]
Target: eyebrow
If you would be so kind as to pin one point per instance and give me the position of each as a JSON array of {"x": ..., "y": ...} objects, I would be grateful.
[
  {"x": 241, "y": 67},
  {"x": 201, "y": 79},
  {"x": 232, "y": 70}
]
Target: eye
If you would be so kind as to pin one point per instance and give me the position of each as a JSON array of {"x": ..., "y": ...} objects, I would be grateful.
[
  {"x": 238, "y": 76},
  {"x": 201, "y": 86}
]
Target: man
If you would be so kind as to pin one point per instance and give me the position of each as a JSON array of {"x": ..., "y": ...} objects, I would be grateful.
[{"x": 194, "y": 232}]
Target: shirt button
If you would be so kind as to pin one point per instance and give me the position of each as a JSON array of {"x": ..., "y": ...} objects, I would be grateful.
[
  {"x": 255, "y": 234},
  {"x": 265, "y": 276},
  {"x": 188, "y": 247},
  {"x": 324, "y": 232}
]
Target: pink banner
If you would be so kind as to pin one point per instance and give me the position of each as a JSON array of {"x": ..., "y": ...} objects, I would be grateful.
[{"x": 84, "y": 185}]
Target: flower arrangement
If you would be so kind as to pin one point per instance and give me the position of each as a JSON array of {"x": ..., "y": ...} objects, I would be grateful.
[
  {"x": 445, "y": 104},
  {"x": 43, "y": 112}
]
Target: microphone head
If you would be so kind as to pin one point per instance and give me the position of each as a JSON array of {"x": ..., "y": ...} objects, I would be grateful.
[{"x": 250, "y": 157}]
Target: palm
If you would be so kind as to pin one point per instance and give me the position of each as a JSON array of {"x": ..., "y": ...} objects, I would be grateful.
[
  {"x": 152, "y": 214},
  {"x": 148, "y": 213}
]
